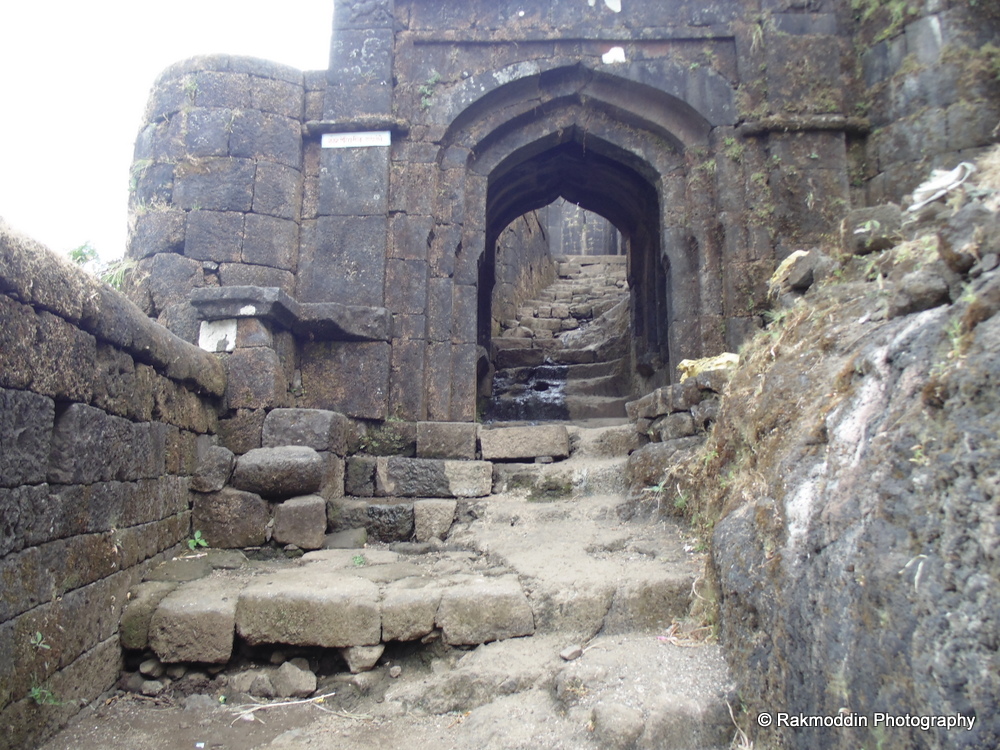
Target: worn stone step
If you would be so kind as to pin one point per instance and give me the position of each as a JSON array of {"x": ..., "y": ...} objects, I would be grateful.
[
  {"x": 604, "y": 440},
  {"x": 520, "y": 443},
  {"x": 582, "y": 572},
  {"x": 595, "y": 369},
  {"x": 595, "y": 407},
  {"x": 606, "y": 385},
  {"x": 562, "y": 480}
]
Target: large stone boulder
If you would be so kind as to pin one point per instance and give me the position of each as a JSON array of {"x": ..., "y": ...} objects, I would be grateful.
[{"x": 285, "y": 471}]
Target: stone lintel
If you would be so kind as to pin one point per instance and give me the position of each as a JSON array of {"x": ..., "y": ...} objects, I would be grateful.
[
  {"x": 316, "y": 128},
  {"x": 330, "y": 321}
]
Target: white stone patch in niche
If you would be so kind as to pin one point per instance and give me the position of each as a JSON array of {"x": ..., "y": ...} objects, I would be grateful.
[
  {"x": 615, "y": 5},
  {"x": 217, "y": 335},
  {"x": 614, "y": 55},
  {"x": 248, "y": 310}
]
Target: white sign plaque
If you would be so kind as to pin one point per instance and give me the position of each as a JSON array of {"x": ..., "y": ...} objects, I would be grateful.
[{"x": 357, "y": 140}]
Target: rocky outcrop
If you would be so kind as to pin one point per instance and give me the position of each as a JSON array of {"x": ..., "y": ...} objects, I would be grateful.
[{"x": 852, "y": 480}]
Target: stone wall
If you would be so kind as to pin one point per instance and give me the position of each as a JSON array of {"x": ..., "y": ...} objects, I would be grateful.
[
  {"x": 523, "y": 266},
  {"x": 573, "y": 231},
  {"x": 932, "y": 77},
  {"x": 102, "y": 415}
]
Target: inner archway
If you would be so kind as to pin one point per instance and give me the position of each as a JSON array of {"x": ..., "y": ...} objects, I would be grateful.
[{"x": 600, "y": 178}]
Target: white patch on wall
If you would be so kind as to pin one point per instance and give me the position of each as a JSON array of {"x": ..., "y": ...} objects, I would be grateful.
[
  {"x": 217, "y": 335},
  {"x": 514, "y": 72},
  {"x": 614, "y": 55},
  {"x": 615, "y": 5},
  {"x": 591, "y": 3},
  {"x": 248, "y": 311}
]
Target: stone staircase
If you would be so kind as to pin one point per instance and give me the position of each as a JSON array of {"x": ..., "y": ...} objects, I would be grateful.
[
  {"x": 563, "y": 358},
  {"x": 528, "y": 594}
]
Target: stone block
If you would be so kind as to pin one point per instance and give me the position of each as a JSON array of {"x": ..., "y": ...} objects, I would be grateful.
[
  {"x": 214, "y": 88},
  {"x": 231, "y": 518},
  {"x": 196, "y": 622},
  {"x": 410, "y": 234},
  {"x": 271, "y": 242},
  {"x": 359, "y": 479},
  {"x": 521, "y": 443},
  {"x": 647, "y": 466},
  {"x": 705, "y": 413},
  {"x": 346, "y": 513},
  {"x": 284, "y": 471},
  {"x": 310, "y": 606},
  {"x": 406, "y": 286},
  {"x": 345, "y": 262},
  {"x": 649, "y": 603},
  {"x": 408, "y": 609},
  {"x": 157, "y": 232},
  {"x": 145, "y": 598},
  {"x": 869, "y": 230},
  {"x": 432, "y": 519},
  {"x": 11, "y": 533},
  {"x": 673, "y": 426},
  {"x": 354, "y": 182},
  {"x": 244, "y": 274},
  {"x": 277, "y": 96},
  {"x": 253, "y": 332},
  {"x": 242, "y": 432},
  {"x": 390, "y": 522},
  {"x": 439, "y": 309},
  {"x": 301, "y": 521},
  {"x": 62, "y": 358},
  {"x": 481, "y": 610},
  {"x": 256, "y": 379},
  {"x": 507, "y": 358},
  {"x": 455, "y": 440},
  {"x": 408, "y": 359},
  {"x": 26, "y": 424},
  {"x": 332, "y": 370},
  {"x": 332, "y": 486},
  {"x": 214, "y": 235},
  {"x": 428, "y": 477},
  {"x": 277, "y": 191},
  {"x": 347, "y": 539},
  {"x": 214, "y": 184},
  {"x": 319, "y": 429},
  {"x": 215, "y": 466},
  {"x": 362, "y": 658},
  {"x": 289, "y": 681},
  {"x": 263, "y": 136}
]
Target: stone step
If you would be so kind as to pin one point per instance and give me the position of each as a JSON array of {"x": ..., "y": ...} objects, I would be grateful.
[
  {"x": 606, "y": 385},
  {"x": 595, "y": 369},
  {"x": 574, "y": 478},
  {"x": 595, "y": 407}
]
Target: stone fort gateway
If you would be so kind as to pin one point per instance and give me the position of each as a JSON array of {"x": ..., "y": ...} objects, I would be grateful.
[{"x": 484, "y": 214}]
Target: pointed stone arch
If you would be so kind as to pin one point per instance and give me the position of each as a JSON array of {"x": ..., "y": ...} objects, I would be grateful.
[{"x": 616, "y": 146}]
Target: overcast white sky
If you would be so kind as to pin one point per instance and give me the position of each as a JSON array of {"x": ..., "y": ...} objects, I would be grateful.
[{"x": 74, "y": 77}]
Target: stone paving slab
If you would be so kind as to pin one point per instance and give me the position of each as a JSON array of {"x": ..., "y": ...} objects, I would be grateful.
[
  {"x": 195, "y": 622},
  {"x": 310, "y": 606}
]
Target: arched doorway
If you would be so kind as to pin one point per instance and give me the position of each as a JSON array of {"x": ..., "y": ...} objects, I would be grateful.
[{"x": 621, "y": 149}]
